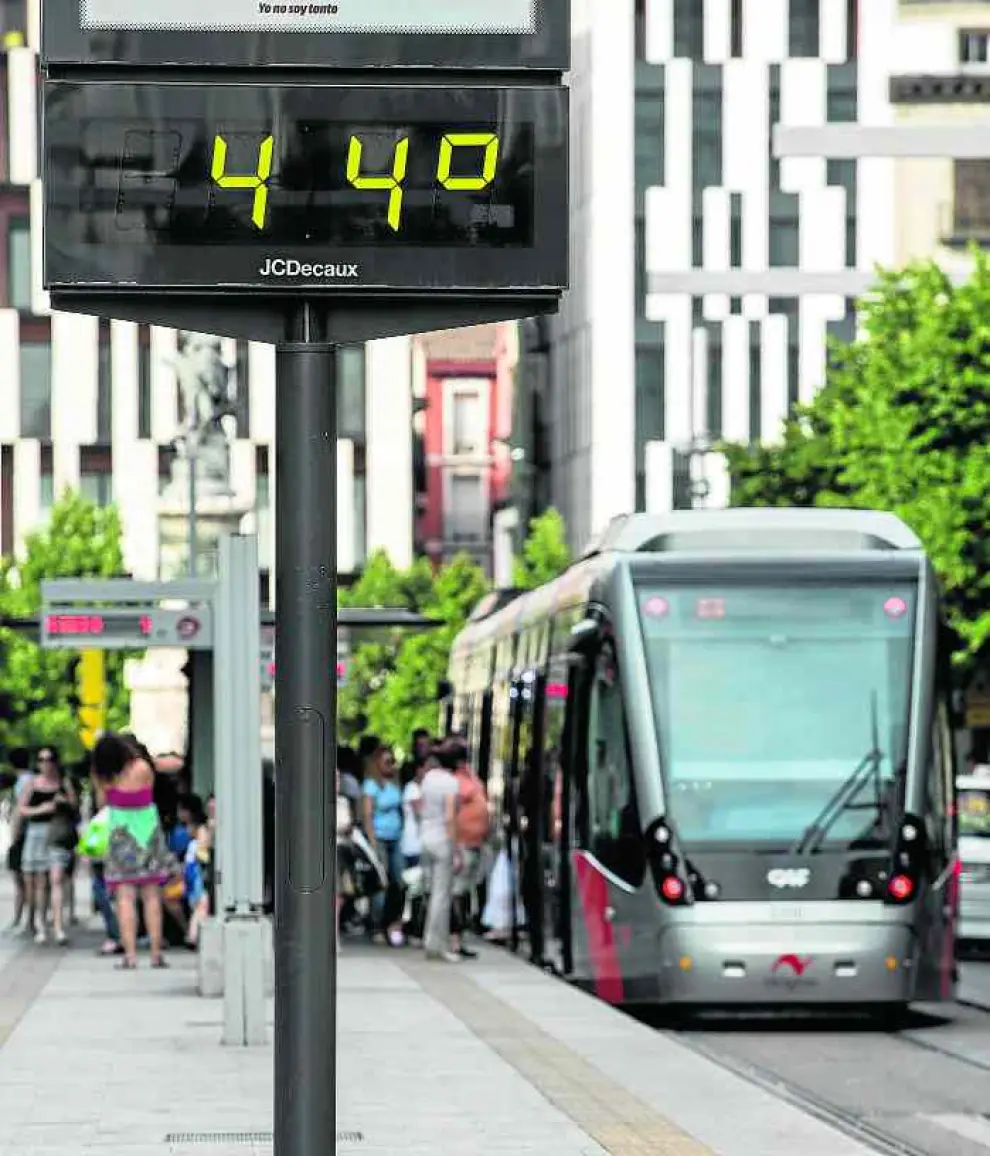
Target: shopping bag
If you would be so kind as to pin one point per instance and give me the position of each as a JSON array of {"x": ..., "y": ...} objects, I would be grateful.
[
  {"x": 95, "y": 839},
  {"x": 497, "y": 915}
]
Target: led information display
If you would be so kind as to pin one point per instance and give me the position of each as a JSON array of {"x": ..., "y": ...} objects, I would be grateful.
[
  {"x": 326, "y": 187},
  {"x": 96, "y": 628},
  {"x": 418, "y": 16}
]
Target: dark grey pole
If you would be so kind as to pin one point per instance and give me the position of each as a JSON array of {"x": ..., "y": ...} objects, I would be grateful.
[
  {"x": 192, "y": 454},
  {"x": 305, "y": 744}
]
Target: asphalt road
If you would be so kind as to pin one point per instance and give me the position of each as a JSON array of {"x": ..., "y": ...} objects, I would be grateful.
[{"x": 926, "y": 1087}]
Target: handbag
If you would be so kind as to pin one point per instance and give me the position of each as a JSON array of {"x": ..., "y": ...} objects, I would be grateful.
[
  {"x": 62, "y": 831},
  {"x": 94, "y": 843}
]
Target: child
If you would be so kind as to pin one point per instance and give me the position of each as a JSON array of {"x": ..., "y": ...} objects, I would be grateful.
[{"x": 192, "y": 815}]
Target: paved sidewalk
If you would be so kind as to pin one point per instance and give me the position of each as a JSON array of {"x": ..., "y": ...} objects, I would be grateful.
[{"x": 486, "y": 1059}]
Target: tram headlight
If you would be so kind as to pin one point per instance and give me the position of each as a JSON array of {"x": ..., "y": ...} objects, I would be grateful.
[{"x": 909, "y": 832}]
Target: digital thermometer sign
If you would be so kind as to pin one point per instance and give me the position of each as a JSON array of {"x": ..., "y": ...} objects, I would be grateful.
[
  {"x": 95, "y": 628},
  {"x": 322, "y": 187}
]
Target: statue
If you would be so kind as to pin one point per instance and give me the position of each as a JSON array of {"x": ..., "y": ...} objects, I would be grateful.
[{"x": 203, "y": 442}]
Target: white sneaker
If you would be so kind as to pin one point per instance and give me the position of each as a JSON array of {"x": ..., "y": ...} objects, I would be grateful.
[
  {"x": 444, "y": 956},
  {"x": 40, "y": 937}
]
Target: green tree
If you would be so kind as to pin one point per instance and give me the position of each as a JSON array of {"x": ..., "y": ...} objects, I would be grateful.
[
  {"x": 545, "y": 553},
  {"x": 407, "y": 698},
  {"x": 373, "y": 655},
  {"x": 81, "y": 540},
  {"x": 902, "y": 424}
]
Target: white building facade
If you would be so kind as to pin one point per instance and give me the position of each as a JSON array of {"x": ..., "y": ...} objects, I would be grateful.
[
  {"x": 706, "y": 275},
  {"x": 94, "y": 404}
]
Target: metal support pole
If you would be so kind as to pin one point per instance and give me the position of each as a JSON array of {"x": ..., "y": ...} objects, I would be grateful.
[
  {"x": 305, "y": 719},
  {"x": 192, "y": 451},
  {"x": 237, "y": 701}
]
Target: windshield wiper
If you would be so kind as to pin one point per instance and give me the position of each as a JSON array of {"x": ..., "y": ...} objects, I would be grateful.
[{"x": 842, "y": 800}]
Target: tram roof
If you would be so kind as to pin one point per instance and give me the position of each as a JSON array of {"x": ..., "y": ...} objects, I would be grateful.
[
  {"x": 740, "y": 530},
  {"x": 765, "y": 529}
]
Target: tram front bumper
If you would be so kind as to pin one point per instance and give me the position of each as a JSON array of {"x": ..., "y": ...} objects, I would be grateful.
[{"x": 799, "y": 963}]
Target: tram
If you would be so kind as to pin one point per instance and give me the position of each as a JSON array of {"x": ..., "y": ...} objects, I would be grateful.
[{"x": 719, "y": 752}]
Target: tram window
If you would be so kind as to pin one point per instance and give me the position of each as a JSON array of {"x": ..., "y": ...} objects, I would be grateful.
[
  {"x": 554, "y": 716},
  {"x": 613, "y": 823}
]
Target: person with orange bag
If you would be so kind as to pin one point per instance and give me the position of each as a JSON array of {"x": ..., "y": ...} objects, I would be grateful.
[{"x": 472, "y": 835}]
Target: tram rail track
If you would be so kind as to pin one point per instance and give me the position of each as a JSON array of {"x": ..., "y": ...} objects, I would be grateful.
[
  {"x": 841, "y": 1119},
  {"x": 850, "y": 1123}
]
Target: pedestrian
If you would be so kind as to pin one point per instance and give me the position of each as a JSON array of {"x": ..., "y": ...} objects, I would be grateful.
[
  {"x": 192, "y": 816},
  {"x": 383, "y": 827},
  {"x": 345, "y": 827},
  {"x": 138, "y": 859},
  {"x": 20, "y": 763},
  {"x": 472, "y": 836},
  {"x": 412, "y": 844},
  {"x": 439, "y": 856},
  {"x": 47, "y": 805}
]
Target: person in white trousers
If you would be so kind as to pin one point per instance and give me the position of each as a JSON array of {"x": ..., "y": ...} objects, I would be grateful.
[{"x": 438, "y": 810}]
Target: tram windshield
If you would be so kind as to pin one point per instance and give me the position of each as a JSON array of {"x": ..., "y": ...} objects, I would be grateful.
[{"x": 767, "y": 699}]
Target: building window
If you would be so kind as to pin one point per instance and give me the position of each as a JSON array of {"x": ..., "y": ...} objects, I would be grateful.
[
  {"x": 735, "y": 230},
  {"x": 972, "y": 198},
  {"x": 46, "y": 493},
  {"x": 974, "y": 45},
  {"x": 467, "y": 433},
  {"x": 263, "y": 515},
  {"x": 689, "y": 29},
  {"x": 36, "y": 390},
  {"x": 360, "y": 520},
  {"x": 840, "y": 95},
  {"x": 785, "y": 231},
  {"x": 649, "y": 129},
  {"x": 736, "y": 28},
  {"x": 351, "y": 418},
  {"x": 144, "y": 382},
  {"x": 104, "y": 384},
  {"x": 805, "y": 22},
  {"x": 707, "y": 128},
  {"x": 465, "y": 519},
  {"x": 19, "y": 264},
  {"x": 96, "y": 487}
]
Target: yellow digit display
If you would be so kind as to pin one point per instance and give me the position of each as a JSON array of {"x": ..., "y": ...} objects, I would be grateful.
[
  {"x": 452, "y": 140},
  {"x": 391, "y": 183},
  {"x": 258, "y": 181}
]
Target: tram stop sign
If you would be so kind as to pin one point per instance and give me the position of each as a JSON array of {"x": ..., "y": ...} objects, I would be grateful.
[{"x": 302, "y": 175}]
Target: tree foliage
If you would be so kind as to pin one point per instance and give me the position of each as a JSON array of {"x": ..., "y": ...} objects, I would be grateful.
[
  {"x": 545, "y": 553},
  {"x": 80, "y": 540},
  {"x": 373, "y": 655},
  {"x": 408, "y": 698},
  {"x": 902, "y": 424},
  {"x": 392, "y": 675}
]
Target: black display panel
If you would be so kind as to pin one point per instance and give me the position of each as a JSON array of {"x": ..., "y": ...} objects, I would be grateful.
[
  {"x": 343, "y": 34},
  {"x": 322, "y": 187}
]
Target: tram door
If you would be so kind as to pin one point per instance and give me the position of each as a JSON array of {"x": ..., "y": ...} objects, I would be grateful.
[
  {"x": 554, "y": 832},
  {"x": 513, "y": 803}
]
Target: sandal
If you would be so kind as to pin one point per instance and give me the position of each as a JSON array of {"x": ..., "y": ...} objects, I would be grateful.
[
  {"x": 126, "y": 964},
  {"x": 160, "y": 964}
]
